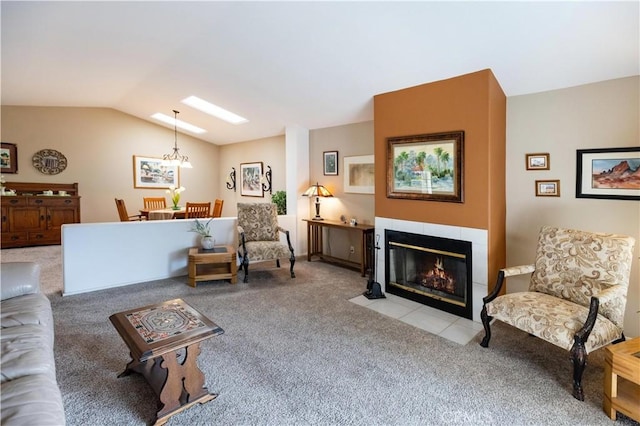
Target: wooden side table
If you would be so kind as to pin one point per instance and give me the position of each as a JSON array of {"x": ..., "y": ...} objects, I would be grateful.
[
  {"x": 164, "y": 342},
  {"x": 218, "y": 263},
  {"x": 622, "y": 379}
]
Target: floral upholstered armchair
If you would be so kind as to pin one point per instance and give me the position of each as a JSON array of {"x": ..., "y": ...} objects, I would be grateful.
[
  {"x": 259, "y": 236},
  {"x": 577, "y": 294}
]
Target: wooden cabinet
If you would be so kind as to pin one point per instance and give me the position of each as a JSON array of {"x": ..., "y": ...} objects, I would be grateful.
[{"x": 31, "y": 219}]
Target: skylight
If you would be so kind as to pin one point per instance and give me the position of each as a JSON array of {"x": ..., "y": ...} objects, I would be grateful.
[
  {"x": 215, "y": 110},
  {"x": 179, "y": 123}
]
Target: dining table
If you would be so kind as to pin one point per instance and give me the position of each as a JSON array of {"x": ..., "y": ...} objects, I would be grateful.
[{"x": 164, "y": 214}]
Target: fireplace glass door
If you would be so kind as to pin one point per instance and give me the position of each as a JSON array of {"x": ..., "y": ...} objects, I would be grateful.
[{"x": 430, "y": 270}]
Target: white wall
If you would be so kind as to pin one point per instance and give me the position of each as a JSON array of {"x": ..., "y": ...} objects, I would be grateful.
[
  {"x": 559, "y": 122},
  {"x": 99, "y": 144},
  {"x": 97, "y": 256}
]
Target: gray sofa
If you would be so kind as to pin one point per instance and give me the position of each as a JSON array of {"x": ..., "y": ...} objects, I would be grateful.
[{"x": 29, "y": 393}]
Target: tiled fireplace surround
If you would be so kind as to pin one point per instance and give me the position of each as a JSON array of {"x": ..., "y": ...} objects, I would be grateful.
[{"x": 477, "y": 237}]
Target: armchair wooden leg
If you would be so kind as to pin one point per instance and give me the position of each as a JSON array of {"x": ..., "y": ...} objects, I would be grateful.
[
  {"x": 486, "y": 323},
  {"x": 292, "y": 259},
  {"x": 579, "y": 359},
  {"x": 245, "y": 268}
]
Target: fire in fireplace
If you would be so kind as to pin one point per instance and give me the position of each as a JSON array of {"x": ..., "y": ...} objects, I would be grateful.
[{"x": 431, "y": 270}]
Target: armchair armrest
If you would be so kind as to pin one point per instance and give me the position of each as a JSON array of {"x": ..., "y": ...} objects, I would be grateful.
[
  {"x": 612, "y": 303},
  {"x": 19, "y": 278},
  {"x": 281, "y": 229},
  {"x": 518, "y": 270},
  {"x": 507, "y": 272}
]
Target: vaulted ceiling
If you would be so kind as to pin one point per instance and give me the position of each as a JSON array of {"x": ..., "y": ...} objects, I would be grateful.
[{"x": 312, "y": 64}]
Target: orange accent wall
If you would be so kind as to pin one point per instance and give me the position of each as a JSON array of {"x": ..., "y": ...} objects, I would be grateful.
[{"x": 476, "y": 104}]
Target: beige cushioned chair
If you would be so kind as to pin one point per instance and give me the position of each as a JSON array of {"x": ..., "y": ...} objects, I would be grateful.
[
  {"x": 259, "y": 236},
  {"x": 577, "y": 294}
]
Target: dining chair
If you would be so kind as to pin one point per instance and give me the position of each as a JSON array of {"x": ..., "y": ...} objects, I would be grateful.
[
  {"x": 154, "y": 203},
  {"x": 124, "y": 216},
  {"x": 197, "y": 210},
  {"x": 217, "y": 208}
]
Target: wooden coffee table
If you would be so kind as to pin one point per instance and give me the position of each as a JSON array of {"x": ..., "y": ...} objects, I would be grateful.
[
  {"x": 219, "y": 263},
  {"x": 164, "y": 343}
]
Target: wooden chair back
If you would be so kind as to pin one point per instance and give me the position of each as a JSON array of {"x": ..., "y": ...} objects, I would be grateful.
[
  {"x": 198, "y": 210},
  {"x": 154, "y": 203},
  {"x": 122, "y": 212},
  {"x": 217, "y": 208}
]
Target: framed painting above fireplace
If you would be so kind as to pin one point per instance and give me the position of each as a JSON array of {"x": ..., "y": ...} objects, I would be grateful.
[{"x": 426, "y": 167}]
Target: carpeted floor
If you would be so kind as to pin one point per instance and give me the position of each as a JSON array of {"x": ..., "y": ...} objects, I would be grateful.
[{"x": 297, "y": 352}]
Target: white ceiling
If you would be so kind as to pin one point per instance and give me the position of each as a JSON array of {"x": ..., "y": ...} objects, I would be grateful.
[{"x": 312, "y": 64}]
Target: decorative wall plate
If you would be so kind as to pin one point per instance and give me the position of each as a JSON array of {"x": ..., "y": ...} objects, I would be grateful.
[{"x": 49, "y": 161}]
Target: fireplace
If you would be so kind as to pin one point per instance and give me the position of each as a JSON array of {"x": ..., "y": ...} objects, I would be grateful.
[{"x": 430, "y": 270}]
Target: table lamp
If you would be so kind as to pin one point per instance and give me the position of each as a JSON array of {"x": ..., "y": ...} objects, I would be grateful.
[{"x": 317, "y": 191}]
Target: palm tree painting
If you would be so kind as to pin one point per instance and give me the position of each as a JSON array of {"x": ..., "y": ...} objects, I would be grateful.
[{"x": 426, "y": 167}]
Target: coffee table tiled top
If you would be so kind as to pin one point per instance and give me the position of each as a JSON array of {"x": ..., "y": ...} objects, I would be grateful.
[{"x": 154, "y": 330}]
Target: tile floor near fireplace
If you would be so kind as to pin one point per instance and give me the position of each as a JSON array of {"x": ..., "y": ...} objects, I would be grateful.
[{"x": 435, "y": 321}]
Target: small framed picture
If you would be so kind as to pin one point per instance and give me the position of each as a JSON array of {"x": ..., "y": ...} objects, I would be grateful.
[
  {"x": 250, "y": 175},
  {"x": 547, "y": 188},
  {"x": 538, "y": 161},
  {"x": 330, "y": 163},
  {"x": 9, "y": 158}
]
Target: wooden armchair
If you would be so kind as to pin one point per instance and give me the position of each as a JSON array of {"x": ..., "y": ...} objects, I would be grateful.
[
  {"x": 122, "y": 212},
  {"x": 577, "y": 294},
  {"x": 259, "y": 236},
  {"x": 154, "y": 203},
  {"x": 198, "y": 210}
]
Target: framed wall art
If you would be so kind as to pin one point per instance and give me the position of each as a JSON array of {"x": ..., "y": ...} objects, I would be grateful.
[
  {"x": 547, "y": 188},
  {"x": 537, "y": 161},
  {"x": 359, "y": 174},
  {"x": 330, "y": 163},
  {"x": 250, "y": 175},
  {"x": 426, "y": 167},
  {"x": 8, "y": 158},
  {"x": 611, "y": 173},
  {"x": 150, "y": 172}
]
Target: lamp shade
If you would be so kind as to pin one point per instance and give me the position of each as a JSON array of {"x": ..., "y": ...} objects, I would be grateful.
[{"x": 317, "y": 190}]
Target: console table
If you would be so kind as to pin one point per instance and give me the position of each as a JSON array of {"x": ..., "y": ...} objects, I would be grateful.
[{"x": 315, "y": 242}]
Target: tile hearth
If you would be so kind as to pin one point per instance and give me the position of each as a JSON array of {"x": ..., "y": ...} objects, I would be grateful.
[{"x": 435, "y": 321}]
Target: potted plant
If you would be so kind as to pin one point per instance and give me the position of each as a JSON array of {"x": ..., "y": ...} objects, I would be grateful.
[
  {"x": 279, "y": 198},
  {"x": 206, "y": 241}
]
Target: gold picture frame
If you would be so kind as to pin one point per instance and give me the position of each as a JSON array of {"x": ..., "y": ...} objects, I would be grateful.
[
  {"x": 538, "y": 161},
  {"x": 548, "y": 188}
]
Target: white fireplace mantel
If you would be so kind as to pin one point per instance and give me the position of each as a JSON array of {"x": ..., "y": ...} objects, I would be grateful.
[{"x": 479, "y": 247}]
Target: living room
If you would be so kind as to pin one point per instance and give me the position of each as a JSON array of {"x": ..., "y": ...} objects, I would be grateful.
[{"x": 100, "y": 143}]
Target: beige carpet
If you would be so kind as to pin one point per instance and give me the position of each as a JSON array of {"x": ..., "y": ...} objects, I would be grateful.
[
  {"x": 50, "y": 260},
  {"x": 297, "y": 352}
]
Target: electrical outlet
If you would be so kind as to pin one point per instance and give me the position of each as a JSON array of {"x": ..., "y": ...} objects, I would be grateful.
[{"x": 352, "y": 249}]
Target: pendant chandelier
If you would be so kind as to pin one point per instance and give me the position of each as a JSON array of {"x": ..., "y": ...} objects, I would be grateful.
[{"x": 175, "y": 159}]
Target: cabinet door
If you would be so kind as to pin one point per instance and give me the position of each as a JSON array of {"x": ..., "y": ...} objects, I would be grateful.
[
  {"x": 27, "y": 218},
  {"x": 5, "y": 219},
  {"x": 58, "y": 216}
]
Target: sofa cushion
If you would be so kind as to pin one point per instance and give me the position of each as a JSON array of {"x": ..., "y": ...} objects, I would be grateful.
[
  {"x": 25, "y": 350},
  {"x": 19, "y": 278},
  {"x": 551, "y": 318},
  {"x": 28, "y": 309},
  {"x": 31, "y": 400}
]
